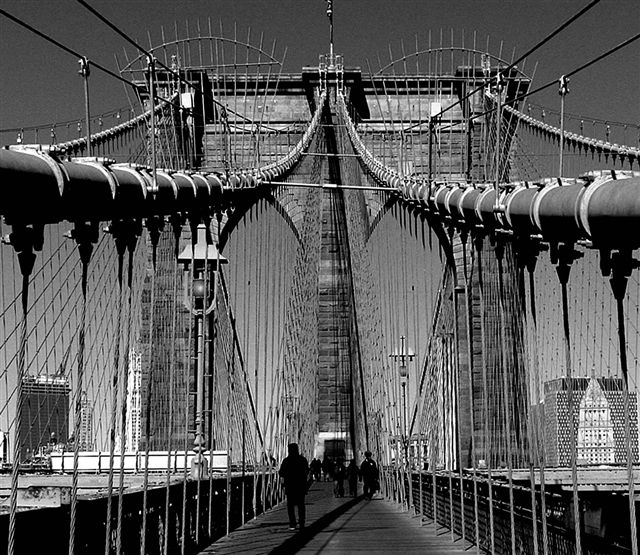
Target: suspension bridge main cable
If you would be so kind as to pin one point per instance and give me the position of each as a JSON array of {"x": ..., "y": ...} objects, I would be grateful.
[
  {"x": 589, "y": 119},
  {"x": 116, "y": 112},
  {"x": 541, "y": 43}
]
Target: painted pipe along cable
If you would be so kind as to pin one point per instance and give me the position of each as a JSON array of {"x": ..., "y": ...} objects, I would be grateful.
[
  {"x": 575, "y": 139},
  {"x": 602, "y": 207},
  {"x": 76, "y": 145},
  {"x": 38, "y": 187}
]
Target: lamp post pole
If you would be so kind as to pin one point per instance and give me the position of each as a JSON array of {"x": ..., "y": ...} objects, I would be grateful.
[
  {"x": 404, "y": 412},
  {"x": 205, "y": 258},
  {"x": 330, "y": 16},
  {"x": 402, "y": 358},
  {"x": 199, "y": 441}
]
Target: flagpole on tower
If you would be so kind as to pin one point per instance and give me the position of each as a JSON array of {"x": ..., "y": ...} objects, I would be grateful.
[{"x": 330, "y": 16}]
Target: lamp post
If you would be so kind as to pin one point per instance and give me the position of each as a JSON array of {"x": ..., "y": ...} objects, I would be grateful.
[
  {"x": 403, "y": 357},
  {"x": 206, "y": 261}
]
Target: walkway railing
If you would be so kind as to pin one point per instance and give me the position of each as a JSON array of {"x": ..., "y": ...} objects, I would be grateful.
[
  {"x": 178, "y": 535},
  {"x": 449, "y": 517}
]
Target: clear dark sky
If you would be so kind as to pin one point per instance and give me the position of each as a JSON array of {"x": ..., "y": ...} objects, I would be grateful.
[{"x": 40, "y": 85}]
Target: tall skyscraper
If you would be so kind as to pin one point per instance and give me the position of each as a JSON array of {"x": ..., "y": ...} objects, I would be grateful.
[
  {"x": 86, "y": 425},
  {"x": 43, "y": 414},
  {"x": 132, "y": 441}
]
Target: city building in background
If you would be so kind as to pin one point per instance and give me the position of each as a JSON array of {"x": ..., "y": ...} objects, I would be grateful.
[
  {"x": 598, "y": 421},
  {"x": 86, "y": 439},
  {"x": 132, "y": 441},
  {"x": 43, "y": 413},
  {"x": 4, "y": 447}
]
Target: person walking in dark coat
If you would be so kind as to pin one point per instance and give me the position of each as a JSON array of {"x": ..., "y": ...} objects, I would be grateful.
[
  {"x": 369, "y": 475},
  {"x": 316, "y": 469},
  {"x": 327, "y": 469},
  {"x": 339, "y": 474},
  {"x": 294, "y": 470},
  {"x": 352, "y": 477}
]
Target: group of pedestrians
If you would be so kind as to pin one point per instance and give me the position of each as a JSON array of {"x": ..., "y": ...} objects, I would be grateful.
[
  {"x": 296, "y": 474},
  {"x": 350, "y": 473},
  {"x": 324, "y": 468}
]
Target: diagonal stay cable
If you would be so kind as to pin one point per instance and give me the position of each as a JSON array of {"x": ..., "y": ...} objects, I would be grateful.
[
  {"x": 514, "y": 63},
  {"x": 567, "y": 75},
  {"x": 149, "y": 55},
  {"x": 73, "y": 52}
]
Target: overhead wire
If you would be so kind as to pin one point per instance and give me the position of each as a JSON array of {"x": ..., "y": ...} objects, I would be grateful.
[
  {"x": 149, "y": 55},
  {"x": 573, "y": 72},
  {"x": 75, "y": 53},
  {"x": 541, "y": 43}
]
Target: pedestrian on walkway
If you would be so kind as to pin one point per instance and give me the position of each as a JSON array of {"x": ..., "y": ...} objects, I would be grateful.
[
  {"x": 294, "y": 470},
  {"x": 339, "y": 474},
  {"x": 316, "y": 468},
  {"x": 327, "y": 469},
  {"x": 352, "y": 477},
  {"x": 369, "y": 475}
]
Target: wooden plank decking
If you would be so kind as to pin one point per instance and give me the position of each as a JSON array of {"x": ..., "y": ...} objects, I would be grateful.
[{"x": 344, "y": 525}]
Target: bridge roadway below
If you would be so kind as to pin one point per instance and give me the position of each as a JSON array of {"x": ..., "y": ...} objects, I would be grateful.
[{"x": 345, "y": 525}]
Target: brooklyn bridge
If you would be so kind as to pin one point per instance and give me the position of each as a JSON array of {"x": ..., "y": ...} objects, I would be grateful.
[{"x": 410, "y": 256}]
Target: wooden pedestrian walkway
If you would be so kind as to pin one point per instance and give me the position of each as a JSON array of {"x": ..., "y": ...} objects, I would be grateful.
[{"x": 345, "y": 525}]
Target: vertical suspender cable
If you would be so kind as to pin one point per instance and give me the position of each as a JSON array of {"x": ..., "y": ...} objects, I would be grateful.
[
  {"x": 541, "y": 455},
  {"x": 15, "y": 462},
  {"x": 85, "y": 248},
  {"x": 532, "y": 436},
  {"x": 114, "y": 397},
  {"x": 466, "y": 254},
  {"x": 125, "y": 364},
  {"x": 149, "y": 393},
  {"x": 485, "y": 393},
  {"x": 172, "y": 378},
  {"x": 619, "y": 285},
  {"x": 510, "y": 437},
  {"x": 563, "y": 269},
  {"x": 260, "y": 298},
  {"x": 458, "y": 392}
]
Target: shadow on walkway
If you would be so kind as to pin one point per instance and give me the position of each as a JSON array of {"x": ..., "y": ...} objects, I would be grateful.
[
  {"x": 337, "y": 526},
  {"x": 304, "y": 536}
]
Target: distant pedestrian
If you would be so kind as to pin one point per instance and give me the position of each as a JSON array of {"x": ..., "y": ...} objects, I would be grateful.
[
  {"x": 352, "y": 477},
  {"x": 294, "y": 470},
  {"x": 316, "y": 469},
  {"x": 327, "y": 469},
  {"x": 369, "y": 475},
  {"x": 339, "y": 474}
]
